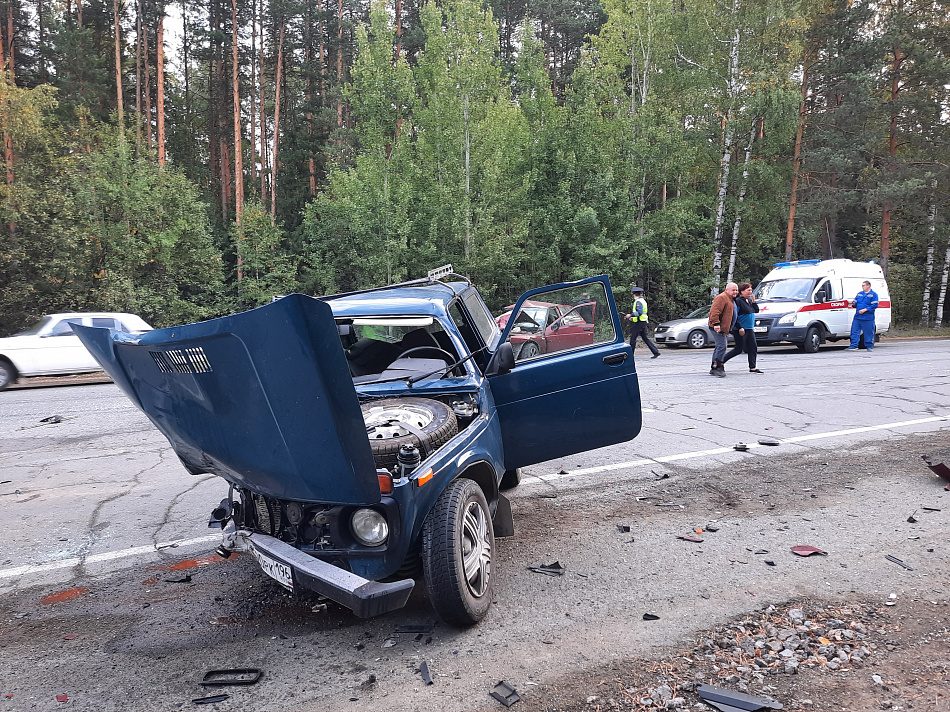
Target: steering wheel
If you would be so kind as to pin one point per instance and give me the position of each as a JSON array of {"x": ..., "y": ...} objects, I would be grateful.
[{"x": 451, "y": 358}]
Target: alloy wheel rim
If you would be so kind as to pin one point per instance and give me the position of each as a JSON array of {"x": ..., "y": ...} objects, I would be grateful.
[{"x": 476, "y": 549}]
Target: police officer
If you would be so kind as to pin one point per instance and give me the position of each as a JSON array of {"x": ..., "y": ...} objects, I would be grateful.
[{"x": 639, "y": 318}]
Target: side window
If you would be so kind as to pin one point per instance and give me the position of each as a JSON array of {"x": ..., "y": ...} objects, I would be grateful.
[
  {"x": 464, "y": 326},
  {"x": 836, "y": 289},
  {"x": 486, "y": 326},
  {"x": 562, "y": 320},
  {"x": 823, "y": 293},
  {"x": 63, "y": 327},
  {"x": 103, "y": 322}
]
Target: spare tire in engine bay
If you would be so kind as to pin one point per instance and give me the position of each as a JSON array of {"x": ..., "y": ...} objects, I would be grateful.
[{"x": 393, "y": 422}]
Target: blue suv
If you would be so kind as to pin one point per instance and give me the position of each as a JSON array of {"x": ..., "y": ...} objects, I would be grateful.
[{"x": 368, "y": 435}]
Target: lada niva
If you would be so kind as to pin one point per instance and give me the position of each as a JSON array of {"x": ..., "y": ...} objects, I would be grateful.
[{"x": 368, "y": 435}]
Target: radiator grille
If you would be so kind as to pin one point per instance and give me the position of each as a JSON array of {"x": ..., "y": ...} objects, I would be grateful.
[{"x": 190, "y": 360}]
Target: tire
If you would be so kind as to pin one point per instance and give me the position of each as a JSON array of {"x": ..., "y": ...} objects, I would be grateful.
[
  {"x": 529, "y": 350},
  {"x": 8, "y": 373},
  {"x": 510, "y": 480},
  {"x": 458, "y": 542},
  {"x": 697, "y": 339},
  {"x": 812, "y": 340},
  {"x": 434, "y": 418}
]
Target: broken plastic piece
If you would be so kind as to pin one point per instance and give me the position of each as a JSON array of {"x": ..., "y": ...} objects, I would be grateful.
[
  {"x": 741, "y": 447},
  {"x": 552, "y": 569},
  {"x": 940, "y": 469},
  {"x": 671, "y": 504},
  {"x": 424, "y": 671},
  {"x": 694, "y": 539},
  {"x": 62, "y": 698},
  {"x": 71, "y": 636},
  {"x": 210, "y": 700},
  {"x": 930, "y": 509},
  {"x": 769, "y": 562},
  {"x": 728, "y": 701},
  {"x": 769, "y": 441},
  {"x": 505, "y": 693},
  {"x": 53, "y": 419},
  {"x": 712, "y": 528},
  {"x": 623, "y": 528},
  {"x": 895, "y": 560},
  {"x": 184, "y": 579},
  {"x": 650, "y": 617},
  {"x": 805, "y": 550},
  {"x": 232, "y": 676},
  {"x": 425, "y": 629},
  {"x": 912, "y": 519}
]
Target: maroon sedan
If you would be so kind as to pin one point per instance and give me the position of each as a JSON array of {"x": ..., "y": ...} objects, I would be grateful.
[{"x": 544, "y": 328}]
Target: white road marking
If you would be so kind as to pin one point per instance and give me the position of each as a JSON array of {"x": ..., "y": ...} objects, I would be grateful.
[
  {"x": 528, "y": 480},
  {"x": 106, "y": 556},
  {"x": 536, "y": 479}
]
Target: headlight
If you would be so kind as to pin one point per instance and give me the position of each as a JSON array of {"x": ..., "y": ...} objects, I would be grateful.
[
  {"x": 369, "y": 527},
  {"x": 788, "y": 318}
]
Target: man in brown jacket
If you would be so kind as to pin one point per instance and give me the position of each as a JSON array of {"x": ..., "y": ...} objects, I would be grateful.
[{"x": 722, "y": 318}]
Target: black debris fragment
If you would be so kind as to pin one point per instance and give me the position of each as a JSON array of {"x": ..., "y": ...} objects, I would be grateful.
[
  {"x": 424, "y": 671},
  {"x": 769, "y": 441},
  {"x": 53, "y": 419},
  {"x": 769, "y": 562},
  {"x": 926, "y": 509},
  {"x": 232, "y": 676},
  {"x": 505, "y": 693},
  {"x": 661, "y": 476},
  {"x": 552, "y": 569},
  {"x": 424, "y": 629},
  {"x": 210, "y": 700},
  {"x": 895, "y": 560},
  {"x": 623, "y": 528},
  {"x": 939, "y": 469},
  {"x": 761, "y": 551},
  {"x": 729, "y": 701},
  {"x": 650, "y": 617},
  {"x": 184, "y": 579},
  {"x": 741, "y": 447},
  {"x": 912, "y": 519},
  {"x": 712, "y": 528},
  {"x": 562, "y": 472},
  {"x": 548, "y": 495}
]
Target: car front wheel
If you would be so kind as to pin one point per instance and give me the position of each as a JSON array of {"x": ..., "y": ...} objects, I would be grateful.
[
  {"x": 529, "y": 350},
  {"x": 697, "y": 339},
  {"x": 7, "y": 373},
  {"x": 457, "y": 545},
  {"x": 812, "y": 341}
]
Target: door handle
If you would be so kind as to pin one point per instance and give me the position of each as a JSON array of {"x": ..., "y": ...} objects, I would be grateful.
[{"x": 614, "y": 359}]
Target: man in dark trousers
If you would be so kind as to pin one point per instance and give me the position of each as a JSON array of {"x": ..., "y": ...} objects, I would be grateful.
[{"x": 639, "y": 318}]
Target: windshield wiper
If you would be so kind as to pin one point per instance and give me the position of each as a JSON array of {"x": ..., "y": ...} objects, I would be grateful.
[{"x": 416, "y": 379}]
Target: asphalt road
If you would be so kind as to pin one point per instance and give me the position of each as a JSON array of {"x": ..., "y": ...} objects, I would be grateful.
[{"x": 102, "y": 528}]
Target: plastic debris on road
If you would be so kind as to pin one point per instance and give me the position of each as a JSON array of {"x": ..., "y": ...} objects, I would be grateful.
[
  {"x": 804, "y": 550},
  {"x": 505, "y": 693},
  {"x": 552, "y": 569},
  {"x": 729, "y": 701}
]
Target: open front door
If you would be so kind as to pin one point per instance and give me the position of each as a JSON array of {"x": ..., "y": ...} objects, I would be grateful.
[{"x": 573, "y": 394}]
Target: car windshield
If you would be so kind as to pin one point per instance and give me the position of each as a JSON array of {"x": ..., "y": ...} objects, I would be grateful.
[
  {"x": 785, "y": 290},
  {"x": 531, "y": 318},
  {"x": 36, "y": 328},
  {"x": 700, "y": 313}
]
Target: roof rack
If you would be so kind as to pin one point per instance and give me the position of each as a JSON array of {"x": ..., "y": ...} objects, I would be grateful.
[{"x": 434, "y": 276}]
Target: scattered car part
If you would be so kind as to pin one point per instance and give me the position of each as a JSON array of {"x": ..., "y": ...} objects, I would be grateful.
[
  {"x": 232, "y": 676},
  {"x": 425, "y": 629},
  {"x": 210, "y": 700},
  {"x": 805, "y": 550},
  {"x": 671, "y": 504},
  {"x": 712, "y": 528},
  {"x": 184, "y": 579},
  {"x": 926, "y": 509},
  {"x": 505, "y": 693},
  {"x": 769, "y": 441},
  {"x": 939, "y": 469},
  {"x": 694, "y": 539},
  {"x": 650, "y": 617},
  {"x": 52, "y": 419},
  {"x": 895, "y": 560},
  {"x": 728, "y": 701},
  {"x": 769, "y": 562},
  {"x": 912, "y": 519},
  {"x": 424, "y": 671},
  {"x": 62, "y": 698},
  {"x": 552, "y": 569},
  {"x": 741, "y": 447},
  {"x": 623, "y": 528}
]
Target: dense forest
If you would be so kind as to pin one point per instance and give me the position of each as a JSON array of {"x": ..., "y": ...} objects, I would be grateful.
[{"x": 183, "y": 160}]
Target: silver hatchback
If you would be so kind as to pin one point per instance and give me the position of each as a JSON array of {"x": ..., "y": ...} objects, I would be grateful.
[{"x": 692, "y": 330}]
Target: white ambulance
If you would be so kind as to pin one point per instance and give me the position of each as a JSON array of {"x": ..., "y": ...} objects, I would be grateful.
[{"x": 808, "y": 302}]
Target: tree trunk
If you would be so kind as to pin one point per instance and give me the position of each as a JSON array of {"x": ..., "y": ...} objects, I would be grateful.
[
  {"x": 41, "y": 49},
  {"x": 892, "y": 152},
  {"x": 468, "y": 180},
  {"x": 725, "y": 163},
  {"x": 742, "y": 188},
  {"x": 263, "y": 117},
  {"x": 796, "y": 161},
  {"x": 308, "y": 63},
  {"x": 11, "y": 50},
  {"x": 79, "y": 14},
  {"x": 931, "y": 246},
  {"x": 398, "y": 29},
  {"x": 277, "y": 82},
  {"x": 938, "y": 316},
  {"x": 160, "y": 84},
  {"x": 138, "y": 74},
  {"x": 118, "y": 70},
  {"x": 253, "y": 144},
  {"x": 339, "y": 68},
  {"x": 147, "y": 72},
  {"x": 184, "y": 54},
  {"x": 8, "y": 145},
  {"x": 238, "y": 148}
]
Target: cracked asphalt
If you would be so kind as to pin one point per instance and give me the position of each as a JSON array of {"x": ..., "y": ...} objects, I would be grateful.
[{"x": 110, "y": 593}]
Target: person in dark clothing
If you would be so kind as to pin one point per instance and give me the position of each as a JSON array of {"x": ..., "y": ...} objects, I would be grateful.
[
  {"x": 744, "y": 332},
  {"x": 639, "y": 318}
]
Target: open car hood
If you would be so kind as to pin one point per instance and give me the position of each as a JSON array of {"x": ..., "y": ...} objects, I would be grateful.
[{"x": 263, "y": 398}]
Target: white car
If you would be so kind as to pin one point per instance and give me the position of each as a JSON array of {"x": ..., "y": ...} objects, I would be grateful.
[{"x": 50, "y": 347}]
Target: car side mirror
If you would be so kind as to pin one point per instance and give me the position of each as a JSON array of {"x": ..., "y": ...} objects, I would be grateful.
[
  {"x": 820, "y": 298},
  {"x": 502, "y": 362},
  {"x": 555, "y": 326}
]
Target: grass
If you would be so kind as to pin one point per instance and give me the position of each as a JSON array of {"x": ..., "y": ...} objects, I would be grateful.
[{"x": 917, "y": 331}]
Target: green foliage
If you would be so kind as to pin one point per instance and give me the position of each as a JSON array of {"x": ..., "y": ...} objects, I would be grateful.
[{"x": 265, "y": 268}]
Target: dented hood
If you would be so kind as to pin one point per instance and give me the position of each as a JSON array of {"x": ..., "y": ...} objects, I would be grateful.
[{"x": 263, "y": 398}]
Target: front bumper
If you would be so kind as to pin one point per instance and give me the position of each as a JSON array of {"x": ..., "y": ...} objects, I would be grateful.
[
  {"x": 297, "y": 570},
  {"x": 782, "y": 332}
]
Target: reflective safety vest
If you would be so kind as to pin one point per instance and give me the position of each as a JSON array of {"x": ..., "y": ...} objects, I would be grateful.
[{"x": 643, "y": 316}]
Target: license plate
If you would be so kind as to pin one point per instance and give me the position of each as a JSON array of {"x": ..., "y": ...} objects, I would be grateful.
[
  {"x": 760, "y": 329},
  {"x": 278, "y": 571}
]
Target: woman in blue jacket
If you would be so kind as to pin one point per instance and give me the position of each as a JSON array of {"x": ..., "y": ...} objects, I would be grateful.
[{"x": 745, "y": 327}]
